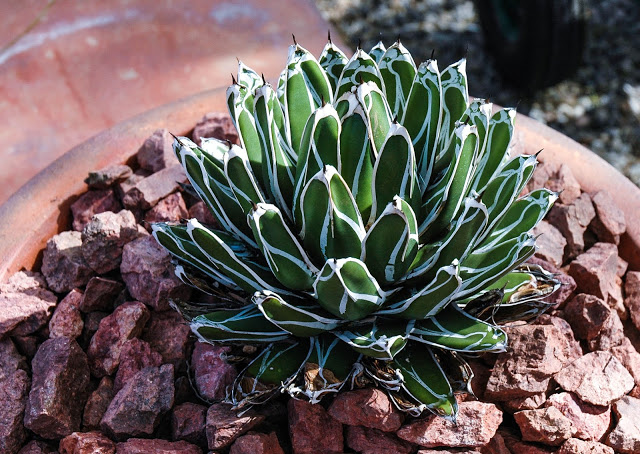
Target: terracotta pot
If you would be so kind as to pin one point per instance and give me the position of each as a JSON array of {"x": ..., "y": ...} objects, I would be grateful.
[{"x": 40, "y": 209}]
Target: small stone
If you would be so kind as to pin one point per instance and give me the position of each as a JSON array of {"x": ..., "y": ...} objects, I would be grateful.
[
  {"x": 97, "y": 404},
  {"x": 629, "y": 357},
  {"x": 36, "y": 447},
  {"x": 67, "y": 319},
  {"x": 572, "y": 221},
  {"x": 108, "y": 176},
  {"x": 14, "y": 391},
  {"x": 567, "y": 283},
  {"x": 224, "y": 425},
  {"x": 144, "y": 446},
  {"x": 63, "y": 264},
  {"x": 169, "y": 334},
  {"x": 10, "y": 359},
  {"x": 577, "y": 446},
  {"x": 211, "y": 372},
  {"x": 623, "y": 265},
  {"x": 100, "y": 295},
  {"x": 591, "y": 422},
  {"x": 91, "y": 323},
  {"x": 215, "y": 124},
  {"x": 188, "y": 421},
  {"x": 497, "y": 445},
  {"x": 25, "y": 305},
  {"x": 137, "y": 408},
  {"x": 257, "y": 443},
  {"x": 90, "y": 203},
  {"x": 59, "y": 390},
  {"x": 147, "y": 271},
  {"x": 122, "y": 187},
  {"x": 148, "y": 191},
  {"x": 597, "y": 378},
  {"x": 366, "y": 440},
  {"x": 104, "y": 236},
  {"x": 574, "y": 350},
  {"x": 544, "y": 425},
  {"x": 550, "y": 243},
  {"x": 200, "y": 212},
  {"x": 369, "y": 407},
  {"x": 135, "y": 355},
  {"x": 564, "y": 183},
  {"x": 125, "y": 323},
  {"x": 632, "y": 296},
  {"x": 525, "y": 403},
  {"x": 595, "y": 271},
  {"x": 156, "y": 153},
  {"x": 588, "y": 315},
  {"x": 304, "y": 421},
  {"x": 625, "y": 437},
  {"x": 609, "y": 222},
  {"x": 27, "y": 345},
  {"x": 86, "y": 443},
  {"x": 170, "y": 209}
]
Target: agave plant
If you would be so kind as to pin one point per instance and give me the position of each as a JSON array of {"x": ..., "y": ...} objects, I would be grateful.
[{"x": 371, "y": 229}]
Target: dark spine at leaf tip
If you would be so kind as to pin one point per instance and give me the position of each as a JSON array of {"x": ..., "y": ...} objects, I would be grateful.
[
  {"x": 433, "y": 53},
  {"x": 329, "y": 36},
  {"x": 233, "y": 80},
  {"x": 294, "y": 39}
]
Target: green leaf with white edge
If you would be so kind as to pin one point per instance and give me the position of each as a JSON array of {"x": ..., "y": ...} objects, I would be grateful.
[
  {"x": 320, "y": 146},
  {"x": 285, "y": 256},
  {"x": 278, "y": 168},
  {"x": 378, "y": 339},
  {"x": 346, "y": 289},
  {"x": 422, "y": 117},
  {"x": 241, "y": 178},
  {"x": 478, "y": 114},
  {"x": 298, "y": 319},
  {"x": 361, "y": 68},
  {"x": 427, "y": 301},
  {"x": 425, "y": 382},
  {"x": 455, "y": 97},
  {"x": 280, "y": 363},
  {"x": 331, "y": 224},
  {"x": 394, "y": 173},
  {"x": 398, "y": 70},
  {"x": 306, "y": 88},
  {"x": 280, "y": 88},
  {"x": 333, "y": 61},
  {"x": 496, "y": 148},
  {"x": 236, "y": 325},
  {"x": 453, "y": 329},
  {"x": 377, "y": 52},
  {"x": 207, "y": 177},
  {"x": 248, "y": 78},
  {"x": 391, "y": 243},
  {"x": 376, "y": 110}
]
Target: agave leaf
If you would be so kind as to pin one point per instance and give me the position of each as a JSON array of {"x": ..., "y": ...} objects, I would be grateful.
[
  {"x": 455, "y": 96},
  {"x": 242, "y": 180},
  {"x": 391, "y": 243},
  {"x": 378, "y": 339},
  {"x": 248, "y": 78},
  {"x": 191, "y": 280},
  {"x": 280, "y": 88},
  {"x": 300, "y": 320},
  {"x": 375, "y": 107},
  {"x": 346, "y": 289},
  {"x": 454, "y": 329},
  {"x": 236, "y": 325},
  {"x": 285, "y": 256},
  {"x": 422, "y": 117},
  {"x": 428, "y": 301},
  {"x": 359, "y": 69},
  {"x": 377, "y": 52},
  {"x": 478, "y": 114},
  {"x": 458, "y": 371},
  {"x": 331, "y": 224},
  {"x": 397, "y": 69},
  {"x": 333, "y": 61}
]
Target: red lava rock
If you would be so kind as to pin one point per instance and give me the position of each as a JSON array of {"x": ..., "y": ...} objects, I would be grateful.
[
  {"x": 169, "y": 334},
  {"x": 138, "y": 407},
  {"x": 188, "y": 421},
  {"x": 36, "y": 447},
  {"x": 439, "y": 451},
  {"x": 304, "y": 421},
  {"x": 574, "y": 351},
  {"x": 27, "y": 345},
  {"x": 591, "y": 422},
  {"x": 97, "y": 404},
  {"x": 144, "y": 446},
  {"x": 135, "y": 355},
  {"x": 609, "y": 222},
  {"x": 104, "y": 236},
  {"x": 564, "y": 183},
  {"x": 632, "y": 296},
  {"x": 525, "y": 403},
  {"x": 91, "y": 323},
  {"x": 122, "y": 187},
  {"x": 567, "y": 283},
  {"x": 477, "y": 423},
  {"x": 25, "y": 304},
  {"x": 497, "y": 445},
  {"x": 224, "y": 426},
  {"x": 536, "y": 353},
  {"x": 545, "y": 425},
  {"x": 597, "y": 378},
  {"x": 369, "y": 407},
  {"x": 572, "y": 221},
  {"x": 148, "y": 191},
  {"x": 257, "y": 443},
  {"x": 14, "y": 390},
  {"x": 200, "y": 211},
  {"x": 63, "y": 264},
  {"x": 147, "y": 271},
  {"x": 108, "y": 176},
  {"x": 100, "y": 294},
  {"x": 66, "y": 321},
  {"x": 10, "y": 359},
  {"x": 577, "y": 446},
  {"x": 367, "y": 440},
  {"x": 550, "y": 243},
  {"x": 86, "y": 443},
  {"x": 215, "y": 124},
  {"x": 59, "y": 390},
  {"x": 125, "y": 323},
  {"x": 156, "y": 152},
  {"x": 625, "y": 437},
  {"x": 627, "y": 354},
  {"x": 211, "y": 372},
  {"x": 520, "y": 447},
  {"x": 90, "y": 203},
  {"x": 170, "y": 209},
  {"x": 594, "y": 321}
]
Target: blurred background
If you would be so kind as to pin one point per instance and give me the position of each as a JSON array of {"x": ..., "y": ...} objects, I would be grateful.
[{"x": 70, "y": 68}]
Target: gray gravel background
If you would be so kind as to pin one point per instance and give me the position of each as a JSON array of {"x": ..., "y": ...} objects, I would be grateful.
[{"x": 599, "y": 106}]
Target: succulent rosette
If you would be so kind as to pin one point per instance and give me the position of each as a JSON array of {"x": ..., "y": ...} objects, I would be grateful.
[{"x": 371, "y": 229}]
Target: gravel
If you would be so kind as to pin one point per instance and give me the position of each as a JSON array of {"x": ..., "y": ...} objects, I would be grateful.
[{"x": 599, "y": 106}]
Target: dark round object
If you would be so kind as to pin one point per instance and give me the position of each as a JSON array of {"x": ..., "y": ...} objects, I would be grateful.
[{"x": 535, "y": 43}]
